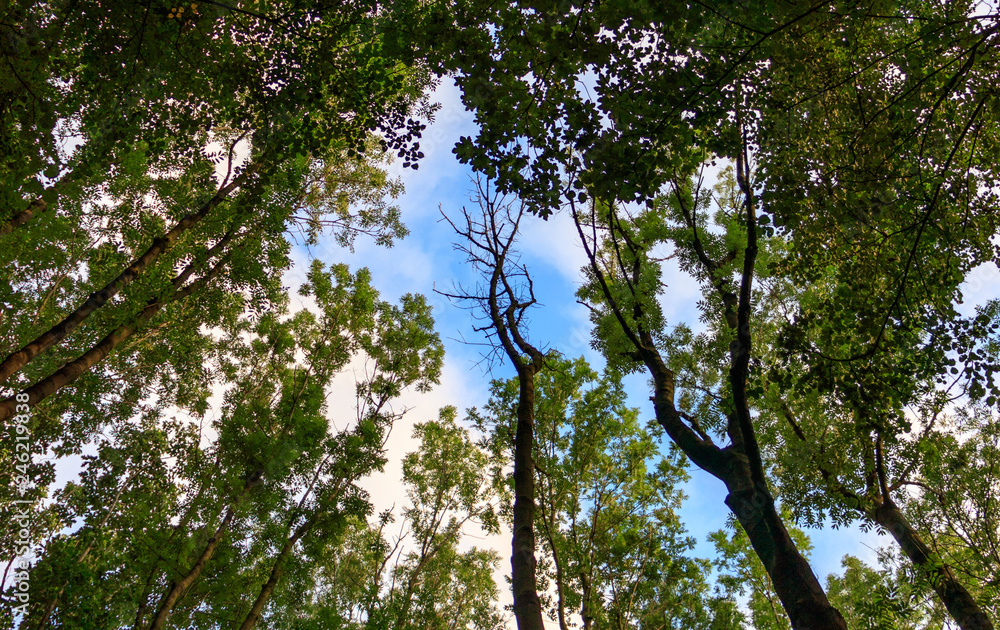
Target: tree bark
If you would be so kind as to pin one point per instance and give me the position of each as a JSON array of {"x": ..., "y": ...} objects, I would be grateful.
[
  {"x": 177, "y": 587},
  {"x": 586, "y": 612},
  {"x": 957, "y": 600},
  {"x": 797, "y": 587},
  {"x": 506, "y": 322},
  {"x": 74, "y": 369},
  {"x": 147, "y": 590},
  {"x": 558, "y": 564},
  {"x": 17, "y": 360},
  {"x": 527, "y": 605}
]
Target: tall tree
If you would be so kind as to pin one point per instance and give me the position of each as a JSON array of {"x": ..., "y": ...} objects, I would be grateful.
[
  {"x": 213, "y": 528},
  {"x": 622, "y": 290},
  {"x": 503, "y": 300},
  {"x": 417, "y": 578},
  {"x": 742, "y": 575},
  {"x": 614, "y": 551},
  {"x": 884, "y": 597},
  {"x": 953, "y": 493},
  {"x": 150, "y": 357},
  {"x": 835, "y": 431}
]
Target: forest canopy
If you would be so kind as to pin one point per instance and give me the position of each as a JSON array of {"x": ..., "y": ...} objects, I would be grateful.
[{"x": 186, "y": 441}]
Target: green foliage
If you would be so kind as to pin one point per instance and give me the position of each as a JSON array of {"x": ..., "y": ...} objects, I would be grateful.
[
  {"x": 218, "y": 132},
  {"x": 628, "y": 240},
  {"x": 957, "y": 476},
  {"x": 420, "y": 578},
  {"x": 270, "y": 471},
  {"x": 887, "y": 598},
  {"x": 867, "y": 134}
]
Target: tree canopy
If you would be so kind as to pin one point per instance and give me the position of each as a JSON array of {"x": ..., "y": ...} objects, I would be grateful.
[{"x": 823, "y": 173}]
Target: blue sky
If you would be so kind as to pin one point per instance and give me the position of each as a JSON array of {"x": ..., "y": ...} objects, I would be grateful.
[{"x": 427, "y": 260}]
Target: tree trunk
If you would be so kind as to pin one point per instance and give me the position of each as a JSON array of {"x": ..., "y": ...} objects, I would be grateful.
[
  {"x": 797, "y": 587},
  {"x": 147, "y": 590},
  {"x": 738, "y": 465},
  {"x": 177, "y": 587},
  {"x": 586, "y": 612},
  {"x": 957, "y": 600},
  {"x": 560, "y": 587},
  {"x": 505, "y": 303},
  {"x": 17, "y": 360},
  {"x": 74, "y": 369},
  {"x": 527, "y": 606}
]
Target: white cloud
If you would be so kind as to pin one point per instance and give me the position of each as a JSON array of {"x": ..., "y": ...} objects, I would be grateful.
[
  {"x": 981, "y": 285},
  {"x": 554, "y": 242}
]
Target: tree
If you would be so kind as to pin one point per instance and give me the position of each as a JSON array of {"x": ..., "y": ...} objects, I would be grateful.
[
  {"x": 623, "y": 285},
  {"x": 741, "y": 573},
  {"x": 420, "y": 578},
  {"x": 954, "y": 479},
  {"x": 613, "y": 547},
  {"x": 152, "y": 362},
  {"x": 171, "y": 211},
  {"x": 212, "y": 533},
  {"x": 855, "y": 466},
  {"x": 883, "y": 598},
  {"x": 160, "y": 80},
  {"x": 504, "y": 300}
]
